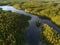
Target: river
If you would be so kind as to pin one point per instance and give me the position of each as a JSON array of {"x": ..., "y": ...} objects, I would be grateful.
[{"x": 32, "y": 31}]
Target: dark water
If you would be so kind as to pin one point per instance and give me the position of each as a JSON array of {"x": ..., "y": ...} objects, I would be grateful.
[{"x": 32, "y": 32}]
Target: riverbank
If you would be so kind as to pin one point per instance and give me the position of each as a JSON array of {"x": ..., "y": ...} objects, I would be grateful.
[
  {"x": 32, "y": 31},
  {"x": 12, "y": 28},
  {"x": 57, "y": 23},
  {"x": 49, "y": 35},
  {"x": 43, "y": 11},
  {"x": 51, "y": 12}
]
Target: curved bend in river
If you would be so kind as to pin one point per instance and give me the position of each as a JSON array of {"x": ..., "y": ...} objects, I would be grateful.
[{"x": 32, "y": 32}]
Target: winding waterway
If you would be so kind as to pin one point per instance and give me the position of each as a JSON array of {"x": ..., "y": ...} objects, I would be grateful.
[{"x": 32, "y": 32}]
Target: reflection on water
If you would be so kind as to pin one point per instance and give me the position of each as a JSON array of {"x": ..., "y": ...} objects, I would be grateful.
[{"x": 32, "y": 32}]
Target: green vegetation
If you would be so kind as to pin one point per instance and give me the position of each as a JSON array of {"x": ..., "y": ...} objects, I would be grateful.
[
  {"x": 12, "y": 28},
  {"x": 50, "y": 10},
  {"x": 50, "y": 36},
  {"x": 12, "y": 25},
  {"x": 11, "y": 2},
  {"x": 17, "y": 6},
  {"x": 38, "y": 23}
]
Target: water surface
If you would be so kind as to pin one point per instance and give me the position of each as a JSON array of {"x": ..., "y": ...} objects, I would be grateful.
[{"x": 32, "y": 31}]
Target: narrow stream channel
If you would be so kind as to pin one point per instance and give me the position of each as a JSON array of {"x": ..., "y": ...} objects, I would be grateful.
[{"x": 32, "y": 32}]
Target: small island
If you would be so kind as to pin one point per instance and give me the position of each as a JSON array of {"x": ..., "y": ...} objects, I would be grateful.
[{"x": 38, "y": 23}]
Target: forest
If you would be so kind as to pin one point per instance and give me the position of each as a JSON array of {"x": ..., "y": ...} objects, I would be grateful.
[{"x": 12, "y": 28}]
